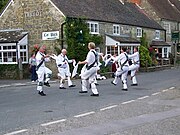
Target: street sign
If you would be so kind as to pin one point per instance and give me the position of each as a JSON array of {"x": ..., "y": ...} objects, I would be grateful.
[{"x": 175, "y": 35}]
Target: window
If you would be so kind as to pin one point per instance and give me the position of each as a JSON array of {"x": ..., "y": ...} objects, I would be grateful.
[
  {"x": 139, "y": 32},
  {"x": 165, "y": 53},
  {"x": 93, "y": 27},
  {"x": 112, "y": 50},
  {"x": 116, "y": 30},
  {"x": 8, "y": 54},
  {"x": 167, "y": 27},
  {"x": 157, "y": 34}
]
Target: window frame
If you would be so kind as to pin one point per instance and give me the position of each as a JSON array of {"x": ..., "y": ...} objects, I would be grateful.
[
  {"x": 92, "y": 27},
  {"x": 115, "y": 29},
  {"x": 157, "y": 34},
  {"x": 138, "y": 32}
]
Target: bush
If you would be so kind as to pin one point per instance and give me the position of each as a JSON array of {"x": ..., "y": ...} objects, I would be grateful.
[{"x": 145, "y": 58}]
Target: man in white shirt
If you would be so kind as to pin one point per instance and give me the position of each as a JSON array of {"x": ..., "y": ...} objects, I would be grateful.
[
  {"x": 135, "y": 66},
  {"x": 63, "y": 68},
  {"x": 42, "y": 71},
  {"x": 89, "y": 72},
  {"x": 122, "y": 70}
]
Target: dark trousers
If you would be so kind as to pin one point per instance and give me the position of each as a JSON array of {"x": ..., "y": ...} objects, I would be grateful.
[{"x": 33, "y": 73}]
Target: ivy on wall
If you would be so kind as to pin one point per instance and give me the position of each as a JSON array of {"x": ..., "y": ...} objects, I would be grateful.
[{"x": 2, "y": 4}]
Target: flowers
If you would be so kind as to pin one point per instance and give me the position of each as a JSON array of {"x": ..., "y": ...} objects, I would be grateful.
[{"x": 35, "y": 48}]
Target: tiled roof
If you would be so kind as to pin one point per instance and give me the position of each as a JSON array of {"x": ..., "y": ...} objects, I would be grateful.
[
  {"x": 11, "y": 36},
  {"x": 107, "y": 11},
  {"x": 159, "y": 43},
  {"x": 124, "y": 39},
  {"x": 176, "y": 4},
  {"x": 165, "y": 9}
]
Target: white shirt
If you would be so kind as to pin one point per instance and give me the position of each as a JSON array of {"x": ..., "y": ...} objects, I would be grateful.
[
  {"x": 39, "y": 57},
  {"x": 134, "y": 57},
  {"x": 90, "y": 59},
  {"x": 62, "y": 61},
  {"x": 121, "y": 59}
]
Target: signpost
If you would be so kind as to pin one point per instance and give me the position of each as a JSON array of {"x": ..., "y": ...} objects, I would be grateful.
[{"x": 175, "y": 38}]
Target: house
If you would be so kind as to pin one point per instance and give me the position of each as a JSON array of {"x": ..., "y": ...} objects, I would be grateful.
[
  {"x": 167, "y": 14},
  {"x": 120, "y": 24}
]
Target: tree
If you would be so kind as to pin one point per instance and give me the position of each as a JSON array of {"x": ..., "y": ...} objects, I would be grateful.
[
  {"x": 2, "y": 4},
  {"x": 145, "y": 58},
  {"x": 77, "y": 37}
]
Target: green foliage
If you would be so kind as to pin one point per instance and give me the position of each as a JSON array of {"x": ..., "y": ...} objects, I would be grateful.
[
  {"x": 77, "y": 37},
  {"x": 145, "y": 58},
  {"x": 9, "y": 71},
  {"x": 2, "y": 4}
]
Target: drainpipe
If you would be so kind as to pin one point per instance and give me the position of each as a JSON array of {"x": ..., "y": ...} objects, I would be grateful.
[{"x": 62, "y": 34}]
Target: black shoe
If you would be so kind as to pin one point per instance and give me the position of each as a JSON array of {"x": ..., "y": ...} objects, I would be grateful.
[
  {"x": 72, "y": 85},
  {"x": 96, "y": 84},
  {"x": 83, "y": 91},
  {"x": 41, "y": 93},
  {"x": 134, "y": 84},
  {"x": 62, "y": 88},
  {"x": 113, "y": 83},
  {"x": 47, "y": 84},
  {"x": 125, "y": 89},
  {"x": 95, "y": 95}
]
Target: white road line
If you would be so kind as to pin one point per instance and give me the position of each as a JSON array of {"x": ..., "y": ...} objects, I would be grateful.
[
  {"x": 2, "y": 86},
  {"x": 128, "y": 102},
  {"x": 143, "y": 97},
  {"x": 156, "y": 93},
  {"x": 84, "y": 114},
  {"x": 171, "y": 88},
  {"x": 17, "y": 132},
  {"x": 109, "y": 107},
  {"x": 165, "y": 90},
  {"x": 53, "y": 122}
]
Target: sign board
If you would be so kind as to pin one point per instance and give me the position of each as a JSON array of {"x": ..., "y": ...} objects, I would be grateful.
[
  {"x": 53, "y": 35},
  {"x": 175, "y": 35}
]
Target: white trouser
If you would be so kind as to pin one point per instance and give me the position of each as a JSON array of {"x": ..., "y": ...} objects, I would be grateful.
[
  {"x": 44, "y": 75},
  {"x": 63, "y": 73},
  {"x": 133, "y": 68},
  {"x": 89, "y": 76},
  {"x": 123, "y": 73}
]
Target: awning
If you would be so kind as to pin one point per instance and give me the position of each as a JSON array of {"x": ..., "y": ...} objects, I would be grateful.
[
  {"x": 121, "y": 41},
  {"x": 159, "y": 43}
]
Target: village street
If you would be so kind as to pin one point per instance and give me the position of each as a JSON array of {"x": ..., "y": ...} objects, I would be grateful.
[{"x": 154, "y": 103}]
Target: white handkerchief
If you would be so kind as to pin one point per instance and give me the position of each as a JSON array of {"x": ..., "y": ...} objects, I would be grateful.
[
  {"x": 74, "y": 73},
  {"x": 53, "y": 56}
]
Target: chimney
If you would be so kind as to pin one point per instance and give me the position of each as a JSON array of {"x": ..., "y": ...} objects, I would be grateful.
[{"x": 136, "y": 1}]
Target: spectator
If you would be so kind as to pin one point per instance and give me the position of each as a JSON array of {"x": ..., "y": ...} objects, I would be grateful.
[{"x": 32, "y": 67}]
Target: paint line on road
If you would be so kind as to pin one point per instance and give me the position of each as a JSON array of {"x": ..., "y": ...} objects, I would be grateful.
[
  {"x": 171, "y": 88},
  {"x": 165, "y": 90},
  {"x": 143, "y": 97},
  {"x": 19, "y": 84},
  {"x": 2, "y": 86},
  {"x": 84, "y": 114},
  {"x": 109, "y": 107},
  {"x": 17, "y": 132},
  {"x": 156, "y": 93},
  {"x": 127, "y": 102},
  {"x": 53, "y": 122}
]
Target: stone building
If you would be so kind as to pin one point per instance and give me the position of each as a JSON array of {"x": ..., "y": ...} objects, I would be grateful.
[
  {"x": 167, "y": 14},
  {"x": 120, "y": 24}
]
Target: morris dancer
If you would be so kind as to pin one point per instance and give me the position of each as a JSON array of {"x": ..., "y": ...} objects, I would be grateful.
[
  {"x": 42, "y": 71},
  {"x": 135, "y": 66},
  {"x": 123, "y": 68},
  {"x": 88, "y": 73}
]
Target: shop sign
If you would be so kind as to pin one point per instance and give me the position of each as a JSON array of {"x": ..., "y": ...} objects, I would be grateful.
[{"x": 53, "y": 35}]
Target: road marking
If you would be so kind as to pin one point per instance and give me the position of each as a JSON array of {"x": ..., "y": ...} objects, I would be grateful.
[
  {"x": 109, "y": 107},
  {"x": 84, "y": 114},
  {"x": 17, "y": 132},
  {"x": 128, "y": 102},
  {"x": 2, "y": 86},
  {"x": 165, "y": 90},
  {"x": 143, "y": 97},
  {"x": 53, "y": 122},
  {"x": 156, "y": 93},
  {"x": 19, "y": 84},
  {"x": 171, "y": 88}
]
